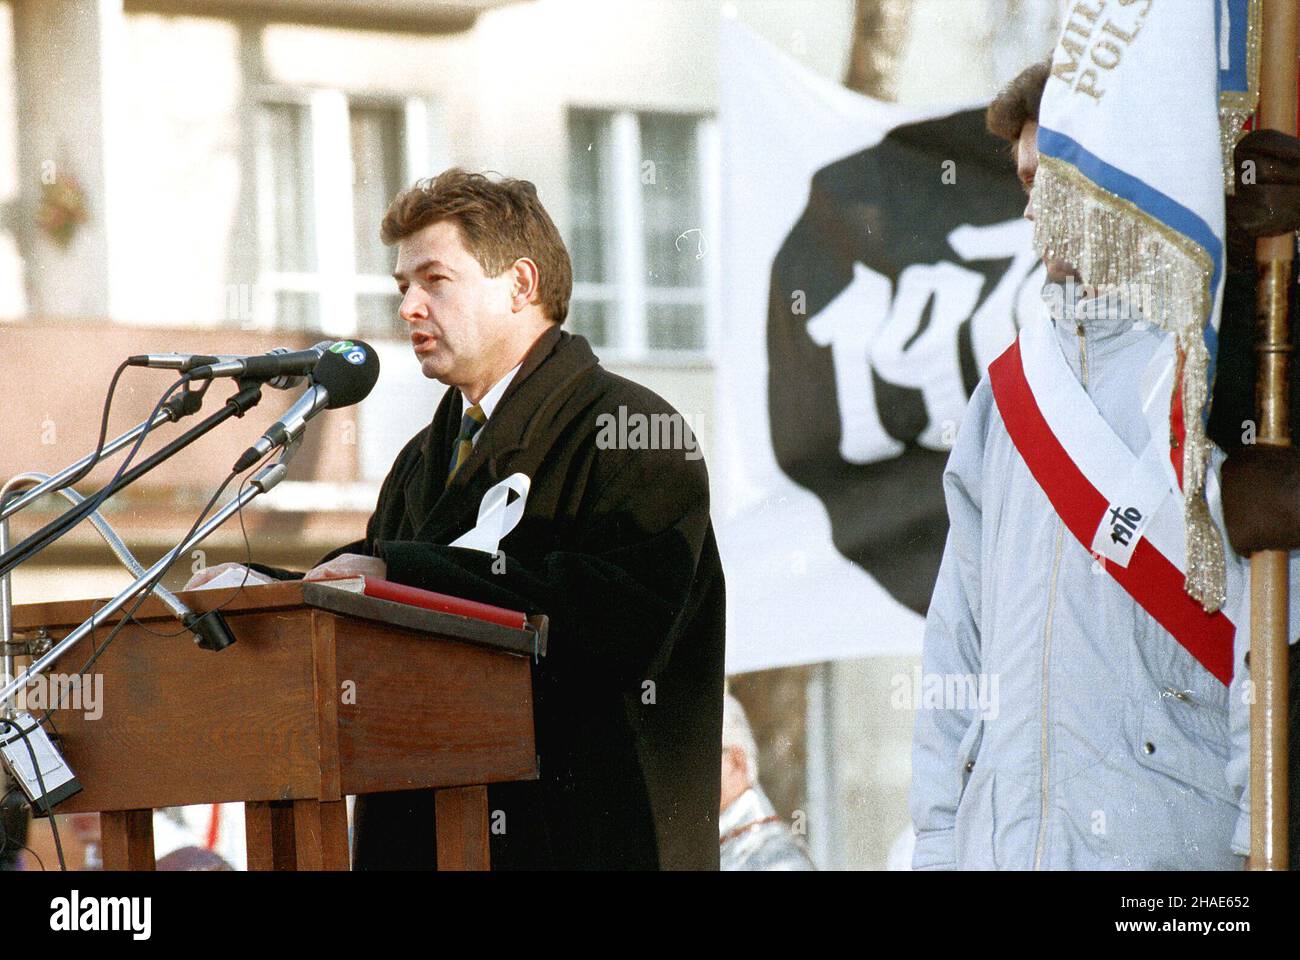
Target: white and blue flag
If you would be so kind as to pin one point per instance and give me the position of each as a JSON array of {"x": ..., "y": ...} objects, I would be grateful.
[{"x": 1130, "y": 191}]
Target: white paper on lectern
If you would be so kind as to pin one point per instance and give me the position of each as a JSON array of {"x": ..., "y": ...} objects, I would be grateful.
[
  {"x": 234, "y": 577},
  {"x": 497, "y": 514}
]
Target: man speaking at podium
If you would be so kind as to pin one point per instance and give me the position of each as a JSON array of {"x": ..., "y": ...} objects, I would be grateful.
[{"x": 615, "y": 546}]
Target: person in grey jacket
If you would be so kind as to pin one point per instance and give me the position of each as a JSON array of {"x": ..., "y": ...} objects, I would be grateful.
[{"x": 1110, "y": 746}]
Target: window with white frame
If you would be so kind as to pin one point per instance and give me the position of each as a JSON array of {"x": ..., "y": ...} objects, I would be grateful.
[
  {"x": 641, "y": 226},
  {"x": 327, "y": 167}
]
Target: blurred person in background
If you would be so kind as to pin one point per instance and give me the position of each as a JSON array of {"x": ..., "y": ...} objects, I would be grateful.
[{"x": 752, "y": 835}]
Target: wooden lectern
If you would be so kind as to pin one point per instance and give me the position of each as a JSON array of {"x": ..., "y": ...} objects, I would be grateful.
[{"x": 326, "y": 693}]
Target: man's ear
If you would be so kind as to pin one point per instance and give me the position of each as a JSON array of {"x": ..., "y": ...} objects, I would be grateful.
[{"x": 525, "y": 281}]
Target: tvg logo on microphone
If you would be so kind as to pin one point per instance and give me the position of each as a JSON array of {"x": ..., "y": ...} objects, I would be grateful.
[{"x": 352, "y": 352}]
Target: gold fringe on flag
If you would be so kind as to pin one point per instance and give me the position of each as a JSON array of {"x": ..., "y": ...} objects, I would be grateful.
[
  {"x": 1236, "y": 106},
  {"x": 1115, "y": 245}
]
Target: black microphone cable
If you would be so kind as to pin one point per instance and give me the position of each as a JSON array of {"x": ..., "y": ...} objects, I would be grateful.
[
  {"x": 103, "y": 432},
  {"x": 248, "y": 559},
  {"x": 147, "y": 587},
  {"x": 62, "y": 524}
]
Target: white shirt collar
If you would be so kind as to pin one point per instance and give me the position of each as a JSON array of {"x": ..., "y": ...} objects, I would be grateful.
[{"x": 491, "y": 398}]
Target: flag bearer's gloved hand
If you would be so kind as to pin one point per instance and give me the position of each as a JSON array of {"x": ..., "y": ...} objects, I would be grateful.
[
  {"x": 1271, "y": 204},
  {"x": 1261, "y": 498}
]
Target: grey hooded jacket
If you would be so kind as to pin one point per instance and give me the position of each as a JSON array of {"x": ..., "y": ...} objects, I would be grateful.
[{"x": 1105, "y": 745}]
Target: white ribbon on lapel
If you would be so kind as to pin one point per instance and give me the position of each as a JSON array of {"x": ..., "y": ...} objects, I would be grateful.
[{"x": 497, "y": 514}]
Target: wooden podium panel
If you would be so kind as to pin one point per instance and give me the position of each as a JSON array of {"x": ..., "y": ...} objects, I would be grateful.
[{"x": 325, "y": 693}]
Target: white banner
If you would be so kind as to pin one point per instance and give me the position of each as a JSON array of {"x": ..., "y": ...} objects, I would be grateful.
[{"x": 874, "y": 262}]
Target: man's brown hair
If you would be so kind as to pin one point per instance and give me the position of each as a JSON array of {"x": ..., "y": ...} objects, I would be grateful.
[
  {"x": 500, "y": 221},
  {"x": 1017, "y": 103}
]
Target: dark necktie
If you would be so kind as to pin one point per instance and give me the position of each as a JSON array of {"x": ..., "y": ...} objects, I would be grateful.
[{"x": 470, "y": 424}]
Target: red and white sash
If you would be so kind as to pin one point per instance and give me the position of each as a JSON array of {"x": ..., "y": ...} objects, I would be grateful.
[{"x": 1126, "y": 510}]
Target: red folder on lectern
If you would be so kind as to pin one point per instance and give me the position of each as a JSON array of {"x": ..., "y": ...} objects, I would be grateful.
[{"x": 429, "y": 600}]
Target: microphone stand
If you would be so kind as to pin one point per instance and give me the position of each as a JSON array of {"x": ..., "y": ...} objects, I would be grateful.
[
  {"x": 248, "y": 396},
  {"x": 210, "y": 630},
  {"x": 261, "y": 482}
]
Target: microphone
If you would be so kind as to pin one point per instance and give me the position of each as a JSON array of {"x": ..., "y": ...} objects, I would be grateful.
[
  {"x": 268, "y": 366},
  {"x": 279, "y": 368},
  {"x": 343, "y": 375}
]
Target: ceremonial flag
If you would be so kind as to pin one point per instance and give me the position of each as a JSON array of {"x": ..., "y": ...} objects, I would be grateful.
[{"x": 1130, "y": 191}]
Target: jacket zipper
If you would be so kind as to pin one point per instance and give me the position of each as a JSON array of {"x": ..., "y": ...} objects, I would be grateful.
[{"x": 1047, "y": 648}]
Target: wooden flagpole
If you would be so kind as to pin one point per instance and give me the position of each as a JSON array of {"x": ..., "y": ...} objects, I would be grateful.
[{"x": 1279, "y": 60}]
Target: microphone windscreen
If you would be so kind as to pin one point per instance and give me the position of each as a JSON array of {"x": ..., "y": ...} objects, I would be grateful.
[{"x": 348, "y": 371}]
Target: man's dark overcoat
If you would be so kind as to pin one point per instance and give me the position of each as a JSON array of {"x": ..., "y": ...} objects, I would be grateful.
[{"x": 617, "y": 548}]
